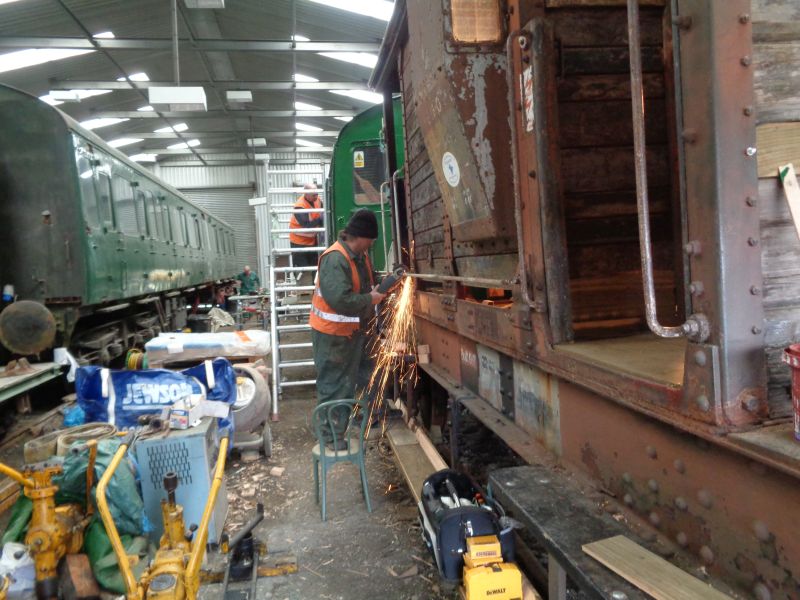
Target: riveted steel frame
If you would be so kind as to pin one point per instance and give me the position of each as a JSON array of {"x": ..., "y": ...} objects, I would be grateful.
[{"x": 715, "y": 46}]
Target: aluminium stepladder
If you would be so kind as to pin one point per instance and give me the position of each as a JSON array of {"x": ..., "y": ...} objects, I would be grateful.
[{"x": 288, "y": 315}]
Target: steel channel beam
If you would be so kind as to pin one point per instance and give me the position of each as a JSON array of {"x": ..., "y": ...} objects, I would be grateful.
[
  {"x": 225, "y": 85},
  {"x": 219, "y": 114},
  {"x": 257, "y": 134},
  {"x": 79, "y": 43},
  {"x": 724, "y": 246},
  {"x": 238, "y": 150}
]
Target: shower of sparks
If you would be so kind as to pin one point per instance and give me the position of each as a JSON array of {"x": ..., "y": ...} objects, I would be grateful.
[{"x": 395, "y": 350}]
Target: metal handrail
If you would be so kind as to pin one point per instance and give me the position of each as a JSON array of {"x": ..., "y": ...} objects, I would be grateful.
[{"x": 692, "y": 325}]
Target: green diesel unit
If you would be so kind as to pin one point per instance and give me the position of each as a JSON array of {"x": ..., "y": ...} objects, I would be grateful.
[{"x": 359, "y": 176}]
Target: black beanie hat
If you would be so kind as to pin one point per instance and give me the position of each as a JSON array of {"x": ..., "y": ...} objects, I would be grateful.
[{"x": 363, "y": 224}]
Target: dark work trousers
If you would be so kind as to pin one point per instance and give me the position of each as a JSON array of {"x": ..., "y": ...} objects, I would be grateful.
[{"x": 304, "y": 259}]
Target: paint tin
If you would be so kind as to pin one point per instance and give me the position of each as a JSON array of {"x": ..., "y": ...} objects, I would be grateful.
[{"x": 791, "y": 356}]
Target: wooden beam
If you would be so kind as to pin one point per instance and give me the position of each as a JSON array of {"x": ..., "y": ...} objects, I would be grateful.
[
  {"x": 778, "y": 144},
  {"x": 649, "y": 572},
  {"x": 790, "y": 187}
]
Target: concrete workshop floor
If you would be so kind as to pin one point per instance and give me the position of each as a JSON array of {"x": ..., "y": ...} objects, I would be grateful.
[{"x": 354, "y": 554}]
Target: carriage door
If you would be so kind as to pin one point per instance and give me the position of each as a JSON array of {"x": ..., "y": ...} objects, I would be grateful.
[{"x": 369, "y": 173}]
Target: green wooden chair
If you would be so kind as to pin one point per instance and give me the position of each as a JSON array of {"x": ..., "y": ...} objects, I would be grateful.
[{"x": 335, "y": 427}]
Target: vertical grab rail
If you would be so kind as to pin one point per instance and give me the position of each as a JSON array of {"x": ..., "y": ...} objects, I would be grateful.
[{"x": 693, "y": 326}]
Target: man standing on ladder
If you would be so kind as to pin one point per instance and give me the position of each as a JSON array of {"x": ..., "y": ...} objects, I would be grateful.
[
  {"x": 341, "y": 310},
  {"x": 309, "y": 200}
]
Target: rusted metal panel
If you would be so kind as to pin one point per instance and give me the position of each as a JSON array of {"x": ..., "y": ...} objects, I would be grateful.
[
  {"x": 445, "y": 347},
  {"x": 716, "y": 504},
  {"x": 460, "y": 102},
  {"x": 489, "y": 376},
  {"x": 536, "y": 405},
  {"x": 470, "y": 367}
]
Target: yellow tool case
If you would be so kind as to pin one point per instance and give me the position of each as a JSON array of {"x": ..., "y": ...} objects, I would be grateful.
[{"x": 498, "y": 581}]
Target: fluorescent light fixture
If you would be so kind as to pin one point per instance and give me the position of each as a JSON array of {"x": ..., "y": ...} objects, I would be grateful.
[
  {"x": 123, "y": 141},
  {"x": 146, "y": 157},
  {"x": 362, "y": 95},
  {"x": 365, "y": 59},
  {"x": 179, "y": 98},
  {"x": 215, "y": 4},
  {"x": 305, "y": 78},
  {"x": 345, "y": 119},
  {"x": 75, "y": 95},
  {"x": 101, "y": 122},
  {"x": 239, "y": 96},
  {"x": 256, "y": 142},
  {"x": 304, "y": 127},
  {"x": 38, "y": 56},
  {"x": 300, "y": 38},
  {"x": 104, "y": 35},
  {"x": 304, "y": 106},
  {"x": 7, "y": 1},
  {"x": 135, "y": 77},
  {"x": 309, "y": 143},
  {"x": 147, "y": 108},
  {"x": 49, "y": 100},
  {"x": 177, "y": 128},
  {"x": 182, "y": 145},
  {"x": 377, "y": 9},
  {"x": 86, "y": 174}
]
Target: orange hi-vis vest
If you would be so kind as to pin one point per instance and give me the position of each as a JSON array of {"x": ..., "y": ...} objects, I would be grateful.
[
  {"x": 304, "y": 238},
  {"x": 323, "y": 318}
]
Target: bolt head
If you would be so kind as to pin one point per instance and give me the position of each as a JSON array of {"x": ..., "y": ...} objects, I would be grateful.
[
  {"x": 628, "y": 499},
  {"x": 655, "y": 519},
  {"x": 748, "y": 111},
  {"x": 752, "y": 241},
  {"x": 751, "y": 151},
  {"x": 700, "y": 358},
  {"x": 651, "y": 452},
  {"x": 762, "y": 531},
  {"x": 761, "y": 592},
  {"x": 745, "y": 61},
  {"x": 755, "y": 329},
  {"x": 751, "y": 201},
  {"x": 750, "y": 403},
  {"x": 744, "y": 18},
  {"x": 680, "y": 503},
  {"x": 626, "y": 477},
  {"x": 653, "y": 485},
  {"x": 702, "y": 402},
  {"x": 618, "y": 595},
  {"x": 682, "y": 539},
  {"x": 705, "y": 498},
  {"x": 707, "y": 554},
  {"x": 679, "y": 465}
]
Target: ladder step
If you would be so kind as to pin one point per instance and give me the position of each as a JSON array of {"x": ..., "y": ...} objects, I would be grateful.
[
  {"x": 284, "y": 384},
  {"x": 296, "y": 363},
  {"x": 285, "y": 251},
  {"x": 292, "y": 269},
  {"x": 290, "y": 190},
  {"x": 287, "y": 210},
  {"x": 303, "y": 327},
  {"x": 287, "y": 307},
  {"x": 303, "y": 230},
  {"x": 294, "y": 288},
  {"x": 294, "y": 346}
]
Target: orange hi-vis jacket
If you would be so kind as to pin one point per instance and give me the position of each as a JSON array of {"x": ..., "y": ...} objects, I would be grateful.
[
  {"x": 323, "y": 318},
  {"x": 304, "y": 238}
]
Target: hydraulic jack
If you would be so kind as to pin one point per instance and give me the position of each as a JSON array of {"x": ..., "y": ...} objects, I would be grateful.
[
  {"x": 174, "y": 573},
  {"x": 54, "y": 531}
]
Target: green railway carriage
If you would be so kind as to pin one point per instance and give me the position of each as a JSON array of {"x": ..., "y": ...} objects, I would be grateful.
[
  {"x": 358, "y": 170},
  {"x": 87, "y": 232}
]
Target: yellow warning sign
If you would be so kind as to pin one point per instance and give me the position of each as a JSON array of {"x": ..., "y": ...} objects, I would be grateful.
[{"x": 358, "y": 159}]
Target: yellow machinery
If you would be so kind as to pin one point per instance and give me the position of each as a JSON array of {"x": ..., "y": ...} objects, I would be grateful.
[
  {"x": 485, "y": 573},
  {"x": 174, "y": 573},
  {"x": 54, "y": 531}
]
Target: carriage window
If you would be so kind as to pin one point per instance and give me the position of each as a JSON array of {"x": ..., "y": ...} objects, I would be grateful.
[
  {"x": 104, "y": 198},
  {"x": 124, "y": 206},
  {"x": 140, "y": 218},
  {"x": 152, "y": 221},
  {"x": 88, "y": 194},
  {"x": 198, "y": 236},
  {"x": 187, "y": 240},
  {"x": 369, "y": 172},
  {"x": 163, "y": 218},
  {"x": 177, "y": 228},
  {"x": 476, "y": 21}
]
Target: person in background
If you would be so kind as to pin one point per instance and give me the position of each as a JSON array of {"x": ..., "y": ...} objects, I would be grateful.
[
  {"x": 342, "y": 311},
  {"x": 309, "y": 200},
  {"x": 248, "y": 281}
]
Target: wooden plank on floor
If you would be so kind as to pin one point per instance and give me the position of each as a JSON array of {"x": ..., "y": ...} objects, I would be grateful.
[
  {"x": 649, "y": 572},
  {"x": 414, "y": 464}
]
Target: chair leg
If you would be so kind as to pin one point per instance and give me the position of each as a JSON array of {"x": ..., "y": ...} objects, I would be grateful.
[
  {"x": 316, "y": 480},
  {"x": 324, "y": 474},
  {"x": 363, "y": 471}
]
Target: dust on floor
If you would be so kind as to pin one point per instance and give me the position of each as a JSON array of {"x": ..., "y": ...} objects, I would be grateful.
[{"x": 354, "y": 554}]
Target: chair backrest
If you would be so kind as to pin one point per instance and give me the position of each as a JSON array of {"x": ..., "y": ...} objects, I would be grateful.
[{"x": 331, "y": 420}]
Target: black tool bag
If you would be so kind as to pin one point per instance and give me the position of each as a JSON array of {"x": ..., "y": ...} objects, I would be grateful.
[{"x": 447, "y": 522}]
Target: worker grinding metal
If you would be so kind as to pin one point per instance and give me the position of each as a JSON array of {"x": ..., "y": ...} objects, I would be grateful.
[{"x": 341, "y": 310}]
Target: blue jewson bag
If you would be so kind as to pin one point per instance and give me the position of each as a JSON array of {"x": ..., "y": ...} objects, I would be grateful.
[{"x": 120, "y": 397}]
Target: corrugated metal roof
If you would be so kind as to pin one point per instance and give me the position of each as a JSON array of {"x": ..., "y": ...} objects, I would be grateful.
[{"x": 150, "y": 19}]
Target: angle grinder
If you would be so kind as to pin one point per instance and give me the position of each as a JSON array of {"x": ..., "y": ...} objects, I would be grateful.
[{"x": 391, "y": 279}]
